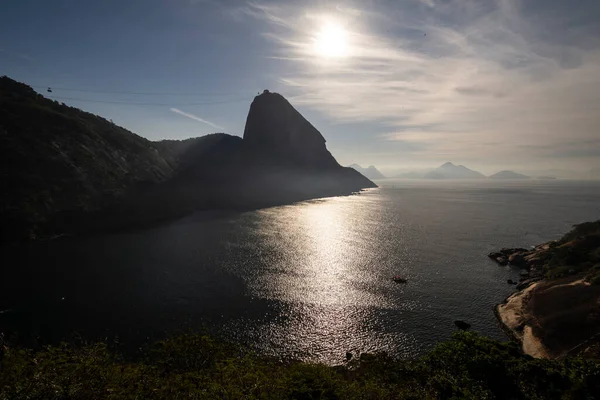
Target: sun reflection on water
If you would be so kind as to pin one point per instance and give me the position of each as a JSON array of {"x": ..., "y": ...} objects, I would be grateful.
[{"x": 320, "y": 270}]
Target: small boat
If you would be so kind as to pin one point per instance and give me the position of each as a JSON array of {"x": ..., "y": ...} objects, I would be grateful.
[{"x": 399, "y": 279}]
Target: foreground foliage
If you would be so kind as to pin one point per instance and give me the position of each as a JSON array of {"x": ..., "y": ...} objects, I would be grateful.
[{"x": 198, "y": 367}]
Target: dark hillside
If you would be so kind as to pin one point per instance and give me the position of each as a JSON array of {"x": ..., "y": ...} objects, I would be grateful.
[{"x": 59, "y": 159}]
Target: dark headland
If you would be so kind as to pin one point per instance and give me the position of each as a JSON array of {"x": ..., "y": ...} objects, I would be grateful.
[{"x": 68, "y": 171}]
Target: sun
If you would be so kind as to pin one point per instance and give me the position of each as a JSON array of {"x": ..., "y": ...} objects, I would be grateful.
[{"x": 331, "y": 40}]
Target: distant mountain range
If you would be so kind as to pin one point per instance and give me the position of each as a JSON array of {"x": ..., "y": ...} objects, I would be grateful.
[
  {"x": 508, "y": 175},
  {"x": 68, "y": 171},
  {"x": 452, "y": 171},
  {"x": 371, "y": 172},
  {"x": 445, "y": 171}
]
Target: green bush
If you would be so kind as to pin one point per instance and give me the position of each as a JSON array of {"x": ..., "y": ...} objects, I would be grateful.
[
  {"x": 200, "y": 367},
  {"x": 584, "y": 229}
]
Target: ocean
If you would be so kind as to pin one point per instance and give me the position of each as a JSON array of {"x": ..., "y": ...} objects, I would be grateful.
[{"x": 308, "y": 281}]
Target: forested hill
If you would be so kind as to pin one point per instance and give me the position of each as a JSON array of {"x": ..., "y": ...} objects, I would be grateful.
[{"x": 58, "y": 159}]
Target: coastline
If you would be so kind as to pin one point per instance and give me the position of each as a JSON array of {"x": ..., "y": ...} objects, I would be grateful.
[
  {"x": 553, "y": 318},
  {"x": 515, "y": 321},
  {"x": 555, "y": 311}
]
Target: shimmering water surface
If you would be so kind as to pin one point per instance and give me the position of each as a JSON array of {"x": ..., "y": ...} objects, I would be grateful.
[{"x": 310, "y": 280}]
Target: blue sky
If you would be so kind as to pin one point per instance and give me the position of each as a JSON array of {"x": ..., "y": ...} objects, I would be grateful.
[{"x": 401, "y": 84}]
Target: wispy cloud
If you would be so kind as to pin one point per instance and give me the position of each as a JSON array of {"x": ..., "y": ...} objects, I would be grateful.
[
  {"x": 448, "y": 75},
  {"x": 196, "y": 118}
]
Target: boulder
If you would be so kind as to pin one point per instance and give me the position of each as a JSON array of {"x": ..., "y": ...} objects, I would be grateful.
[
  {"x": 524, "y": 275},
  {"x": 517, "y": 259},
  {"x": 507, "y": 251},
  {"x": 502, "y": 261},
  {"x": 462, "y": 325},
  {"x": 495, "y": 255},
  {"x": 534, "y": 260},
  {"x": 535, "y": 273}
]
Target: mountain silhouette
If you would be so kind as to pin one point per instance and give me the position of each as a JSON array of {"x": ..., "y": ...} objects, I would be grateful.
[
  {"x": 451, "y": 171},
  {"x": 508, "y": 175},
  {"x": 371, "y": 172},
  {"x": 67, "y": 171},
  {"x": 276, "y": 131}
]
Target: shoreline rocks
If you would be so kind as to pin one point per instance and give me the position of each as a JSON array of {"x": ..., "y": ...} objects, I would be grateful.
[
  {"x": 556, "y": 308},
  {"x": 528, "y": 260},
  {"x": 462, "y": 325}
]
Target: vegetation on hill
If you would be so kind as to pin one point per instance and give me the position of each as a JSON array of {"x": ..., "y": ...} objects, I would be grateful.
[
  {"x": 576, "y": 252},
  {"x": 192, "y": 366},
  {"x": 180, "y": 154},
  {"x": 58, "y": 161}
]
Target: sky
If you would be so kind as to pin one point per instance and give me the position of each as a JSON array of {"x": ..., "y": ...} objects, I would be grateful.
[{"x": 401, "y": 84}]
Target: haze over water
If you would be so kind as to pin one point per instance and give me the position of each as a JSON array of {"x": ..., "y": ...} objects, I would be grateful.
[{"x": 310, "y": 280}]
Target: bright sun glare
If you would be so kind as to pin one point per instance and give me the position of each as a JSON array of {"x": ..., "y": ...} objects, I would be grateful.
[{"x": 331, "y": 40}]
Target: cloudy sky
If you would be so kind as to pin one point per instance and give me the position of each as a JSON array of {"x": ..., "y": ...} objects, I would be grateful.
[{"x": 397, "y": 83}]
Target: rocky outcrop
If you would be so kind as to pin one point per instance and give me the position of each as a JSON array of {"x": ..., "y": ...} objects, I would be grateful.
[
  {"x": 556, "y": 309},
  {"x": 506, "y": 256},
  {"x": 462, "y": 325},
  {"x": 276, "y": 131}
]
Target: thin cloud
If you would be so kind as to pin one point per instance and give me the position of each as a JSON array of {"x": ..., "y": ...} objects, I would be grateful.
[
  {"x": 448, "y": 77},
  {"x": 195, "y": 118}
]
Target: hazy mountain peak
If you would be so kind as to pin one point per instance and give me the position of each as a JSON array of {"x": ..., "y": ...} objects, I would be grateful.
[
  {"x": 451, "y": 171},
  {"x": 371, "y": 172},
  {"x": 506, "y": 174}
]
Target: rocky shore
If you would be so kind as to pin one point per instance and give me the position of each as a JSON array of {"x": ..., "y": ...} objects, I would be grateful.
[
  {"x": 531, "y": 261},
  {"x": 555, "y": 311}
]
